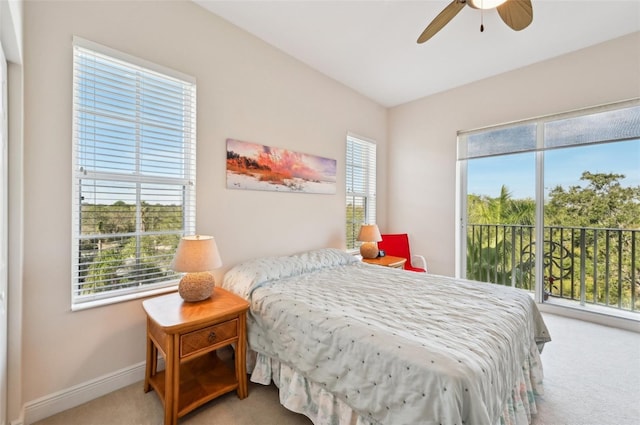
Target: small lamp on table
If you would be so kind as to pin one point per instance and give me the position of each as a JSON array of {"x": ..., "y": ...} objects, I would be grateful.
[
  {"x": 369, "y": 236},
  {"x": 196, "y": 255}
]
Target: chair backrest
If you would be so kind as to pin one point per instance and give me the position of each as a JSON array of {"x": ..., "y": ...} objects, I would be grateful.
[{"x": 396, "y": 245}]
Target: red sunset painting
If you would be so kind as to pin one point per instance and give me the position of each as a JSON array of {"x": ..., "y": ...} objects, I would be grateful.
[{"x": 258, "y": 167}]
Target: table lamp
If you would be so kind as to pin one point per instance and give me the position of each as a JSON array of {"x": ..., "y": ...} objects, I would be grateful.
[
  {"x": 369, "y": 236},
  {"x": 196, "y": 255}
]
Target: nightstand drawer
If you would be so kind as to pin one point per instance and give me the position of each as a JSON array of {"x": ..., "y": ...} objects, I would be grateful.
[{"x": 208, "y": 337}]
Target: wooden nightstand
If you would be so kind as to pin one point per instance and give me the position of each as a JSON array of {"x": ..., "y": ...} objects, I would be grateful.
[
  {"x": 187, "y": 335},
  {"x": 387, "y": 261}
]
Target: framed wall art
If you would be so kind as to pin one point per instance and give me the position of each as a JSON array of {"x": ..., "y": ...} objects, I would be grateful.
[{"x": 252, "y": 166}]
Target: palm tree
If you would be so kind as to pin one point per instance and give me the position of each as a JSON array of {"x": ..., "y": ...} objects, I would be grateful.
[{"x": 490, "y": 246}]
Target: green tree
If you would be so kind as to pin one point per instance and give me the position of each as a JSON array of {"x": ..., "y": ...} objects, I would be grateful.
[
  {"x": 109, "y": 259},
  {"x": 589, "y": 229},
  {"x": 490, "y": 248},
  {"x": 603, "y": 202},
  {"x": 501, "y": 210},
  {"x": 355, "y": 217}
]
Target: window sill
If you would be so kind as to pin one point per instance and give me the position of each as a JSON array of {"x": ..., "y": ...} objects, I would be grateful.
[{"x": 122, "y": 298}]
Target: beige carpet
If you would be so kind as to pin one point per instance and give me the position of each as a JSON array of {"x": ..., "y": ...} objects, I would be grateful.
[
  {"x": 592, "y": 377},
  {"x": 131, "y": 406}
]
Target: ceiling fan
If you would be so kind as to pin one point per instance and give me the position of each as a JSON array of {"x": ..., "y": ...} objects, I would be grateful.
[{"x": 517, "y": 14}]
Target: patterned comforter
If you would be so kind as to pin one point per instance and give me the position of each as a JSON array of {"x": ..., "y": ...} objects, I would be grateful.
[{"x": 397, "y": 347}]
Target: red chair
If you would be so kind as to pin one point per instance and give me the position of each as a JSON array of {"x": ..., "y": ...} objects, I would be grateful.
[{"x": 398, "y": 246}]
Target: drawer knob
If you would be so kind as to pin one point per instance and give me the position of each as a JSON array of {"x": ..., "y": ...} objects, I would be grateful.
[{"x": 212, "y": 336}]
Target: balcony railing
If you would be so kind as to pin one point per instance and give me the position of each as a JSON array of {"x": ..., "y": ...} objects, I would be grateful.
[{"x": 588, "y": 265}]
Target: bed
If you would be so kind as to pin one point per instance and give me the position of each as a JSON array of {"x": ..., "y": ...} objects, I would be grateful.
[{"x": 352, "y": 343}]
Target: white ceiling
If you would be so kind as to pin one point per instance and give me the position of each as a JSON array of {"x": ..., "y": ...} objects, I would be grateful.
[{"x": 370, "y": 45}]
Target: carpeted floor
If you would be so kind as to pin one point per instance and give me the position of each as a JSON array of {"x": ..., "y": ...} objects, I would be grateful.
[{"x": 592, "y": 377}]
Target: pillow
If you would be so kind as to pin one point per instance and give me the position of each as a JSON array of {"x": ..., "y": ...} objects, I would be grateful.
[{"x": 245, "y": 277}]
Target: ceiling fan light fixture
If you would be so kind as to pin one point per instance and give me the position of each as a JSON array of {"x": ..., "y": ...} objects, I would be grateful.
[
  {"x": 485, "y": 4},
  {"x": 517, "y": 14}
]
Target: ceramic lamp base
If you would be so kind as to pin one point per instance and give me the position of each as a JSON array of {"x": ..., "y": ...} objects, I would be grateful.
[
  {"x": 196, "y": 286},
  {"x": 369, "y": 250}
]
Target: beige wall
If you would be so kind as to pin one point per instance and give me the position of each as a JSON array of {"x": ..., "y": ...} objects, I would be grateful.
[
  {"x": 422, "y": 134},
  {"x": 246, "y": 90}
]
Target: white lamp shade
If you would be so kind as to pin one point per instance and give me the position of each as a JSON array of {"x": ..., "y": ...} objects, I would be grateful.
[
  {"x": 196, "y": 253},
  {"x": 369, "y": 233}
]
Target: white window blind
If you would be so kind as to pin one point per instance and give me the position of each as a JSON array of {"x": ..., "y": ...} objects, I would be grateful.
[
  {"x": 134, "y": 172},
  {"x": 360, "y": 186}
]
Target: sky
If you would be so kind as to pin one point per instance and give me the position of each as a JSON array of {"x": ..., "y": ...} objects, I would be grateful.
[{"x": 562, "y": 167}]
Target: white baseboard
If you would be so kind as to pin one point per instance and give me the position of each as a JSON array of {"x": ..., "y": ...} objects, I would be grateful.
[{"x": 51, "y": 404}]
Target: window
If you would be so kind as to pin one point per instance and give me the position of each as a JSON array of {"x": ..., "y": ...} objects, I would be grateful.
[
  {"x": 361, "y": 186},
  {"x": 133, "y": 173},
  {"x": 551, "y": 205}
]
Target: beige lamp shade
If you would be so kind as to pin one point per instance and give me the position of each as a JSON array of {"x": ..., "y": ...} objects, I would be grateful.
[
  {"x": 369, "y": 233},
  {"x": 196, "y": 255},
  {"x": 369, "y": 236}
]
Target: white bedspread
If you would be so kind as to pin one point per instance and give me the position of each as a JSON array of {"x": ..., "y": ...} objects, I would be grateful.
[{"x": 397, "y": 347}]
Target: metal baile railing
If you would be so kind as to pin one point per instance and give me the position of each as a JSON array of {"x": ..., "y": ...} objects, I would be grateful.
[{"x": 589, "y": 265}]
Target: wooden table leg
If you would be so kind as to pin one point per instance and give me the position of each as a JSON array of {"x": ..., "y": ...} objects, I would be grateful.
[
  {"x": 241, "y": 357},
  {"x": 172, "y": 383},
  {"x": 149, "y": 368}
]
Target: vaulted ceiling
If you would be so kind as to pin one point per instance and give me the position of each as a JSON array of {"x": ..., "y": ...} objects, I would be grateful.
[{"x": 370, "y": 45}]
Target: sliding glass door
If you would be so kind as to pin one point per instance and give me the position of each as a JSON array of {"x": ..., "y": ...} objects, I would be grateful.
[{"x": 552, "y": 206}]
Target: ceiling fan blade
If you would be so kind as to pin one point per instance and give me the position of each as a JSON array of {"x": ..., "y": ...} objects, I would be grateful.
[
  {"x": 441, "y": 20},
  {"x": 517, "y": 14}
]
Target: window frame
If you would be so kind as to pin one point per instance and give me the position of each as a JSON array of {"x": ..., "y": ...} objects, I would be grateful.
[
  {"x": 182, "y": 182},
  {"x": 367, "y": 196}
]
